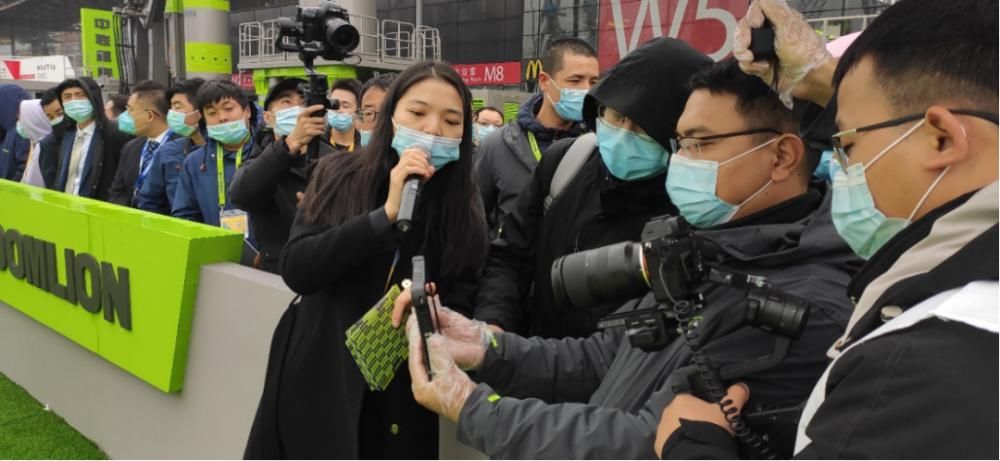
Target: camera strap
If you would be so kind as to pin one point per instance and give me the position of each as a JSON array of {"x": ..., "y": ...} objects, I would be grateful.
[{"x": 570, "y": 165}]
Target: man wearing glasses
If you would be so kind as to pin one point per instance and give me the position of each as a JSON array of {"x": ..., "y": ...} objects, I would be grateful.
[
  {"x": 598, "y": 397},
  {"x": 372, "y": 94},
  {"x": 915, "y": 374},
  {"x": 145, "y": 117}
]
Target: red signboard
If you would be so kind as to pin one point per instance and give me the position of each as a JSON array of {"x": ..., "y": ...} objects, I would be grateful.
[
  {"x": 708, "y": 25},
  {"x": 244, "y": 79},
  {"x": 490, "y": 74}
]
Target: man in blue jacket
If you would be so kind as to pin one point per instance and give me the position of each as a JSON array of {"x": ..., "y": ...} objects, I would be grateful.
[
  {"x": 13, "y": 147},
  {"x": 157, "y": 193},
  {"x": 203, "y": 190}
]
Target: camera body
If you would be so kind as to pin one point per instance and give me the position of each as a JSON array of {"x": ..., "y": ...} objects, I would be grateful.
[
  {"x": 669, "y": 262},
  {"x": 323, "y": 31}
]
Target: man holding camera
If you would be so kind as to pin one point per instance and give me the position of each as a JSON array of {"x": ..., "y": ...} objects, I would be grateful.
[
  {"x": 915, "y": 193},
  {"x": 598, "y": 397},
  {"x": 267, "y": 184}
]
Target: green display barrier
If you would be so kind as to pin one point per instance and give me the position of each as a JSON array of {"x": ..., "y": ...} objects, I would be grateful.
[{"x": 129, "y": 293}]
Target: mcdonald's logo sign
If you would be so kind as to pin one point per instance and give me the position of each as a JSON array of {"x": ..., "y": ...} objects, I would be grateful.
[{"x": 531, "y": 68}]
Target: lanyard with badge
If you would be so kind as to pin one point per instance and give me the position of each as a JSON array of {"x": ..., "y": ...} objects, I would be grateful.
[
  {"x": 234, "y": 220},
  {"x": 534, "y": 146}
]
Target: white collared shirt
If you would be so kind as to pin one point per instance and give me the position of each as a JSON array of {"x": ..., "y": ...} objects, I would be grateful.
[{"x": 85, "y": 135}]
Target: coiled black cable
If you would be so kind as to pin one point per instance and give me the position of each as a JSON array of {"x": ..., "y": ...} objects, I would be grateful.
[{"x": 707, "y": 371}]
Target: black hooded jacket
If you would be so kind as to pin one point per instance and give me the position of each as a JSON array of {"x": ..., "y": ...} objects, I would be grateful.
[
  {"x": 104, "y": 151},
  {"x": 595, "y": 209}
]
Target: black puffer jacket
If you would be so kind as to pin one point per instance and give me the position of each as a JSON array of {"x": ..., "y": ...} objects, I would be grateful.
[
  {"x": 265, "y": 187},
  {"x": 595, "y": 209}
]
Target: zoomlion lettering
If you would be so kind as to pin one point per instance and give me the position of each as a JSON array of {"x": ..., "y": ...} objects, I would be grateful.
[{"x": 94, "y": 285}]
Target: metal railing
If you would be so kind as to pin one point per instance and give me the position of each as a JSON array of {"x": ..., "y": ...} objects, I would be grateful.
[
  {"x": 836, "y": 26},
  {"x": 386, "y": 41}
]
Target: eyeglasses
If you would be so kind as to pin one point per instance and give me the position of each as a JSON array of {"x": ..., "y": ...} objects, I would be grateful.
[
  {"x": 366, "y": 115},
  {"x": 840, "y": 152},
  {"x": 619, "y": 120},
  {"x": 692, "y": 144}
]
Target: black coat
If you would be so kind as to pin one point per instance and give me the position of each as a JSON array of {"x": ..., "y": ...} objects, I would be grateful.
[
  {"x": 128, "y": 171},
  {"x": 103, "y": 154},
  {"x": 315, "y": 403},
  {"x": 265, "y": 187},
  {"x": 595, "y": 209}
]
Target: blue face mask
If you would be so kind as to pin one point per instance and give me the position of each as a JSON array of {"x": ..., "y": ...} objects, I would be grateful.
[
  {"x": 629, "y": 156},
  {"x": 366, "y": 137},
  {"x": 570, "y": 105},
  {"x": 858, "y": 221},
  {"x": 285, "y": 120},
  {"x": 175, "y": 120},
  {"x": 339, "y": 121},
  {"x": 442, "y": 150},
  {"x": 20, "y": 130},
  {"x": 80, "y": 110},
  {"x": 126, "y": 124},
  {"x": 823, "y": 169},
  {"x": 56, "y": 121},
  {"x": 484, "y": 130},
  {"x": 229, "y": 133},
  {"x": 691, "y": 185}
]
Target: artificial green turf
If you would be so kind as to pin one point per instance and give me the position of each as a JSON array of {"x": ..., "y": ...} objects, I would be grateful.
[{"x": 27, "y": 431}]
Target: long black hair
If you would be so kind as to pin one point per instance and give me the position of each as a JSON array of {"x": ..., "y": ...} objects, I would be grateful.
[{"x": 346, "y": 185}]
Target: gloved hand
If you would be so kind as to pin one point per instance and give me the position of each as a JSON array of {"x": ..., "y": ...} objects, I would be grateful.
[
  {"x": 450, "y": 388},
  {"x": 798, "y": 47},
  {"x": 467, "y": 338}
]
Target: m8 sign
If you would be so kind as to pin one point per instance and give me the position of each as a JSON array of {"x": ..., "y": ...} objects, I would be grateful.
[
  {"x": 708, "y": 25},
  {"x": 490, "y": 74}
]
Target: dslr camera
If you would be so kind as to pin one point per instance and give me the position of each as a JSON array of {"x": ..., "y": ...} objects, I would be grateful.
[{"x": 668, "y": 261}]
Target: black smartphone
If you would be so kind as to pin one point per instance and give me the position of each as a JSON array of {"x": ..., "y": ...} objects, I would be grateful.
[{"x": 422, "y": 307}]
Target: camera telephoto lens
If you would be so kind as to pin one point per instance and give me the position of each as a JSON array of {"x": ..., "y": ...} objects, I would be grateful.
[{"x": 593, "y": 277}]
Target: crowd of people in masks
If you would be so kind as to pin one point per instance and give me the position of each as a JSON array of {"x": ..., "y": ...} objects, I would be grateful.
[{"x": 864, "y": 184}]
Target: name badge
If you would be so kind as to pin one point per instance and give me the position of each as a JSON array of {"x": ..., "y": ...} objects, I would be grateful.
[{"x": 234, "y": 220}]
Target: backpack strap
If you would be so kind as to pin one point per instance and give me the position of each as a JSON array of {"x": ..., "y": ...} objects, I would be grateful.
[{"x": 570, "y": 165}]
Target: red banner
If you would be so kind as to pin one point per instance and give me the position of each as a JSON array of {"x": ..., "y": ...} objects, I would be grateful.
[
  {"x": 708, "y": 25},
  {"x": 243, "y": 79},
  {"x": 490, "y": 74}
]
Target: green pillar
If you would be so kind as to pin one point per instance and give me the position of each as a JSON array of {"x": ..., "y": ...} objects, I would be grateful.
[{"x": 207, "y": 52}]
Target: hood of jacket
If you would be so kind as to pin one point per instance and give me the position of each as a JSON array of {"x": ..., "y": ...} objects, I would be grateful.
[
  {"x": 649, "y": 86},
  {"x": 10, "y": 99},
  {"x": 93, "y": 91}
]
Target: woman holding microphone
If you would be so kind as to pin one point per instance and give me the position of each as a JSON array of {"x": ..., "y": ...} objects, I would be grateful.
[{"x": 345, "y": 251}]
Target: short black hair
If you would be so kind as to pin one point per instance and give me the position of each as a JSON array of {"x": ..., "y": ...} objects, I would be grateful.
[
  {"x": 755, "y": 101},
  {"x": 153, "y": 93},
  {"x": 48, "y": 96},
  {"x": 494, "y": 109},
  {"x": 381, "y": 81},
  {"x": 188, "y": 88},
  {"x": 552, "y": 62},
  {"x": 214, "y": 91},
  {"x": 926, "y": 52},
  {"x": 350, "y": 85},
  {"x": 119, "y": 103}
]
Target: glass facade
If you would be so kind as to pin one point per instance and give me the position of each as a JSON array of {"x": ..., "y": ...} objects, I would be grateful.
[
  {"x": 472, "y": 31},
  {"x": 548, "y": 20}
]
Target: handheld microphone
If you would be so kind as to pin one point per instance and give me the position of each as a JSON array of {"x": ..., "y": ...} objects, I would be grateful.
[{"x": 408, "y": 202}]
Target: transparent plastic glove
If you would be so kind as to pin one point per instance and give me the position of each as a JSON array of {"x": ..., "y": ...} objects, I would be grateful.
[
  {"x": 450, "y": 388},
  {"x": 798, "y": 47},
  {"x": 467, "y": 338}
]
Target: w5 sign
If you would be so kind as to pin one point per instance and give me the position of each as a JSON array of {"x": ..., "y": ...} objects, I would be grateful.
[{"x": 708, "y": 25}]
